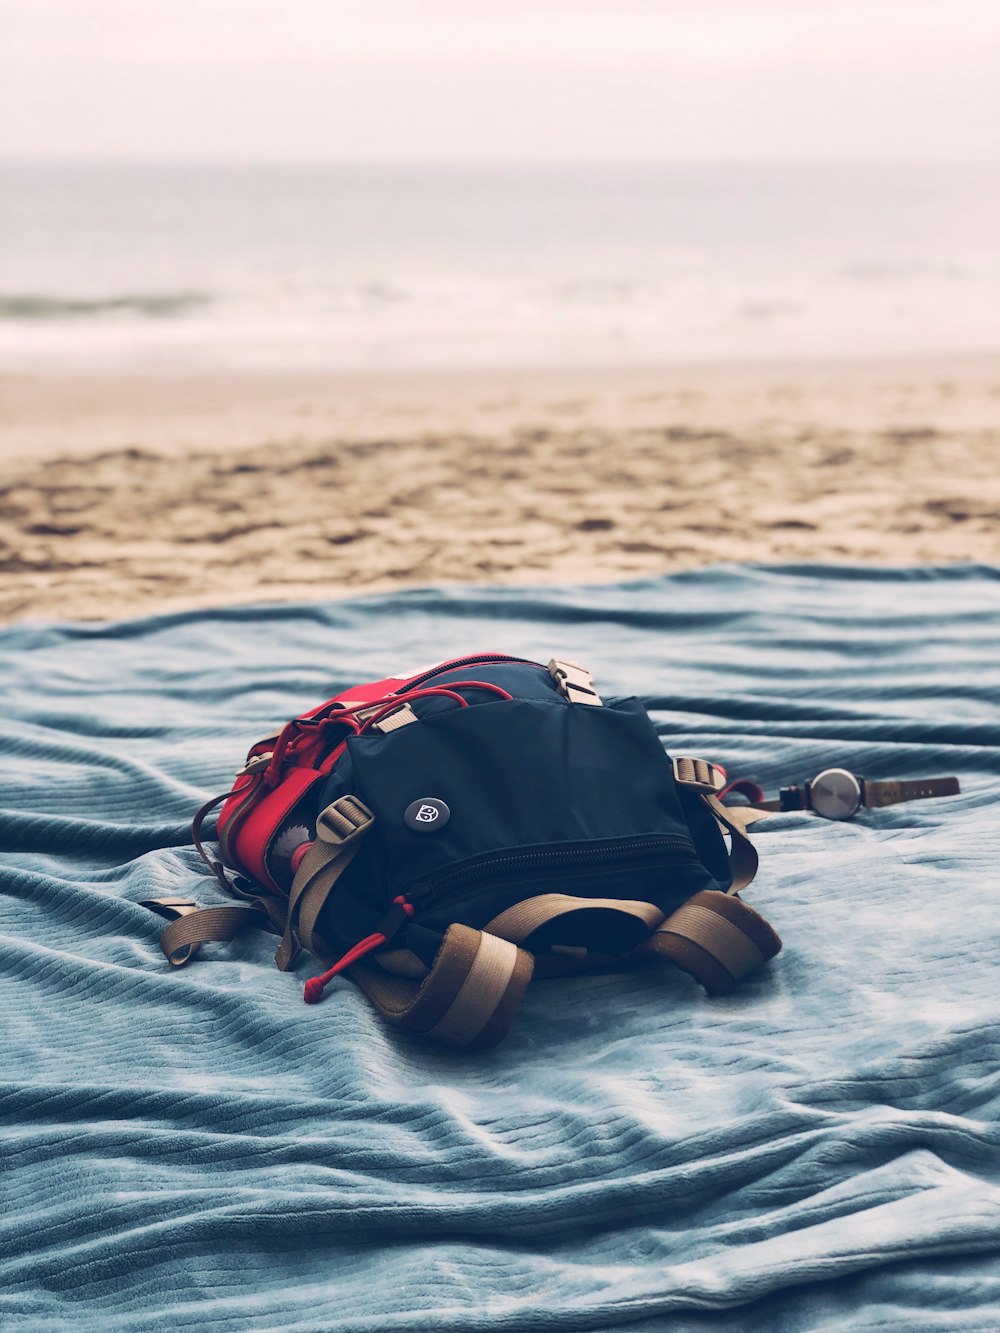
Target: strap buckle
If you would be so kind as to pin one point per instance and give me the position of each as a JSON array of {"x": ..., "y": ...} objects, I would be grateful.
[
  {"x": 575, "y": 682},
  {"x": 698, "y": 774},
  {"x": 344, "y": 820}
]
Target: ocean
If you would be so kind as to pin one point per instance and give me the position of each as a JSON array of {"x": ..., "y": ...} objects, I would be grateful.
[{"x": 186, "y": 268}]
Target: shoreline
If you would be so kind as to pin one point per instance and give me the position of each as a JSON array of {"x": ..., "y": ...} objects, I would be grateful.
[
  {"x": 310, "y": 487},
  {"x": 51, "y": 414}
]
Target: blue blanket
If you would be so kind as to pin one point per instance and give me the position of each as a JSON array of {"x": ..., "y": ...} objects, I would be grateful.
[{"x": 199, "y": 1149}]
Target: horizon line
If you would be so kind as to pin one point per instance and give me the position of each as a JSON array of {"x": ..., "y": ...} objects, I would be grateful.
[{"x": 533, "y": 166}]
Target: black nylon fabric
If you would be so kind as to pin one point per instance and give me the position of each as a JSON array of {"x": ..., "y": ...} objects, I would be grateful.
[
  {"x": 544, "y": 796},
  {"x": 524, "y": 680},
  {"x": 515, "y": 775}
]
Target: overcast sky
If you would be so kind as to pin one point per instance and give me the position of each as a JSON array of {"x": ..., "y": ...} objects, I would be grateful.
[{"x": 506, "y": 81}]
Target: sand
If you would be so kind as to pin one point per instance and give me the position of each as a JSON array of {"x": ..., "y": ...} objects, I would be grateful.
[{"x": 122, "y": 497}]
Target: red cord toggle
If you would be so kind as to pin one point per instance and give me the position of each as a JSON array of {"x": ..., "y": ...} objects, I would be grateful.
[{"x": 313, "y": 990}]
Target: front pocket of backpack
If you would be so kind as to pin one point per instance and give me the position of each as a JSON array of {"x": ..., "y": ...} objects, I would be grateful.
[{"x": 507, "y": 777}]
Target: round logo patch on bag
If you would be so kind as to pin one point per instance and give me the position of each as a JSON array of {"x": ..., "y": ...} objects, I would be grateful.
[{"x": 426, "y": 815}]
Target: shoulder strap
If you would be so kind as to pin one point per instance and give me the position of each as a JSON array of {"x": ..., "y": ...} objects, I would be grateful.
[
  {"x": 517, "y": 923},
  {"x": 706, "y": 779},
  {"x": 468, "y": 998},
  {"x": 339, "y": 830},
  {"x": 714, "y": 936}
]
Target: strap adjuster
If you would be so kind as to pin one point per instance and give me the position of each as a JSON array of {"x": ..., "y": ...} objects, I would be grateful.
[
  {"x": 343, "y": 820},
  {"x": 363, "y": 714},
  {"x": 575, "y": 682},
  {"x": 399, "y": 717},
  {"x": 698, "y": 774}
]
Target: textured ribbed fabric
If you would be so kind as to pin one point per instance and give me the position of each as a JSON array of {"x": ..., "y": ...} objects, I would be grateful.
[{"x": 820, "y": 1151}]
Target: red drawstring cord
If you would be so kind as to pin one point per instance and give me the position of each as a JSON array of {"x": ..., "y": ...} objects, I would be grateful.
[
  {"x": 301, "y": 732},
  {"x": 448, "y": 691},
  {"x": 311, "y": 733},
  {"x": 397, "y": 702},
  {"x": 476, "y": 685},
  {"x": 742, "y": 787},
  {"x": 291, "y": 734},
  {"x": 313, "y": 991}
]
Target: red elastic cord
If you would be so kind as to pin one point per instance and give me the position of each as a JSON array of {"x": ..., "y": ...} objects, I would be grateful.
[
  {"x": 742, "y": 787},
  {"x": 281, "y": 745},
  {"x": 338, "y": 720},
  {"x": 313, "y": 991},
  {"x": 302, "y": 732},
  {"x": 398, "y": 702},
  {"x": 479, "y": 685},
  {"x": 361, "y": 705}
]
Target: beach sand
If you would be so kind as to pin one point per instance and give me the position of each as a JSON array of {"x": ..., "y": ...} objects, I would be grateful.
[{"x": 123, "y": 497}]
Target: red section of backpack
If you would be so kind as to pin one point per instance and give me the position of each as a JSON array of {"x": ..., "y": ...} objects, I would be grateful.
[
  {"x": 252, "y": 815},
  {"x": 250, "y": 842}
]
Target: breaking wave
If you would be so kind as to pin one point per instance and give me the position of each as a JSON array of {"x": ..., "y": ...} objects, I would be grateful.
[{"x": 152, "y": 305}]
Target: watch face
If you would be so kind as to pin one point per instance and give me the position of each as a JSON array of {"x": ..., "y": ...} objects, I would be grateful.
[{"x": 835, "y": 793}]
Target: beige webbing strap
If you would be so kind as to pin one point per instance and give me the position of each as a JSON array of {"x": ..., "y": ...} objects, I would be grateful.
[
  {"x": 339, "y": 830},
  {"x": 721, "y": 938},
  {"x": 698, "y": 773},
  {"x": 191, "y": 925},
  {"x": 715, "y": 937},
  {"x": 743, "y": 860},
  {"x": 401, "y": 717},
  {"x": 706, "y": 779},
  {"x": 468, "y": 998},
  {"x": 525, "y": 917},
  {"x": 749, "y": 814}
]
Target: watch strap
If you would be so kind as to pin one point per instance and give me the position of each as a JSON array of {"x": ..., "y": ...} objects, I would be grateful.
[
  {"x": 874, "y": 793},
  {"x": 791, "y": 798},
  {"x": 890, "y": 791}
]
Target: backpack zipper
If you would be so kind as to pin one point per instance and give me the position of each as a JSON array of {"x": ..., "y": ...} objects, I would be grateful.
[
  {"x": 482, "y": 660},
  {"x": 509, "y": 863}
]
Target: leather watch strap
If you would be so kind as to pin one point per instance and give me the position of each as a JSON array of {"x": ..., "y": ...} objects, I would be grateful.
[
  {"x": 890, "y": 791},
  {"x": 875, "y": 793}
]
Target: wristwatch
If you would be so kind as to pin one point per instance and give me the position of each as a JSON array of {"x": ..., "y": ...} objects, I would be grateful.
[{"x": 837, "y": 794}]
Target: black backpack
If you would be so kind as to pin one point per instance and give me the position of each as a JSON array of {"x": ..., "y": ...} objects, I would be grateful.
[{"x": 441, "y": 838}]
